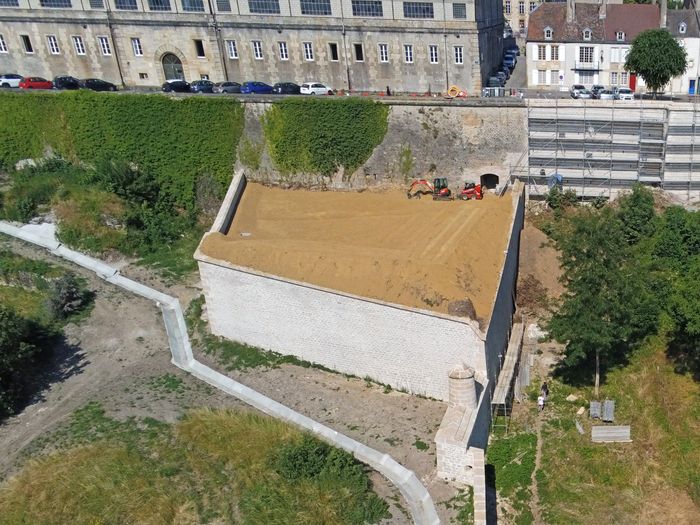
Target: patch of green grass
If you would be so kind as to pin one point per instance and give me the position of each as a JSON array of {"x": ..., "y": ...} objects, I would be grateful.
[
  {"x": 168, "y": 383},
  {"x": 176, "y": 260},
  {"x": 513, "y": 459},
  {"x": 213, "y": 466},
  {"x": 463, "y": 503},
  {"x": 30, "y": 304},
  {"x": 420, "y": 444},
  {"x": 583, "y": 482}
]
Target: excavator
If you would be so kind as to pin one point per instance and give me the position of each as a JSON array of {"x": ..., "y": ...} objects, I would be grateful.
[{"x": 440, "y": 191}]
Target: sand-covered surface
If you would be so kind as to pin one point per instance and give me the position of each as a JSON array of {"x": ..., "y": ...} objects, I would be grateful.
[{"x": 419, "y": 253}]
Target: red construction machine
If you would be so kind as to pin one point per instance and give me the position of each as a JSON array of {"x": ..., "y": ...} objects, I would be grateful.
[
  {"x": 438, "y": 189},
  {"x": 471, "y": 191}
]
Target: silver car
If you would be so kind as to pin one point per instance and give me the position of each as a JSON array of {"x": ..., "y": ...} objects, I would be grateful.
[
  {"x": 624, "y": 93},
  {"x": 606, "y": 94},
  {"x": 584, "y": 93}
]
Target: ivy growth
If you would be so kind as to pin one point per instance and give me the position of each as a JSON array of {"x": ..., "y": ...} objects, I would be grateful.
[{"x": 323, "y": 135}]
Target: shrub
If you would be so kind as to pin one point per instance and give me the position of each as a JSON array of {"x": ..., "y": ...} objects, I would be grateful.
[{"x": 67, "y": 296}]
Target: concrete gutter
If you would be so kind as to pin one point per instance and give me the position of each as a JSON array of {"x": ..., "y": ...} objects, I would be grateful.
[{"x": 416, "y": 495}]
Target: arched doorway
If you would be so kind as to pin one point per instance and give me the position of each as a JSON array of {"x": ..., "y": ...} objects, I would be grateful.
[
  {"x": 489, "y": 181},
  {"x": 172, "y": 67}
]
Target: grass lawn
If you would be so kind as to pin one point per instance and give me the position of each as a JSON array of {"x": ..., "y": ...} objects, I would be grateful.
[
  {"x": 654, "y": 479},
  {"x": 211, "y": 467}
]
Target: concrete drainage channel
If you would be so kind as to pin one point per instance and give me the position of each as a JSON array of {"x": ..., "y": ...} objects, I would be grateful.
[{"x": 416, "y": 495}]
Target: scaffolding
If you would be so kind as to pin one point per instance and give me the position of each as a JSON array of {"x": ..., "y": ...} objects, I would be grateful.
[{"x": 602, "y": 147}]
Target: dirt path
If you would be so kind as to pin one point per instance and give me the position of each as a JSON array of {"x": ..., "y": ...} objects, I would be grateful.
[{"x": 535, "y": 500}]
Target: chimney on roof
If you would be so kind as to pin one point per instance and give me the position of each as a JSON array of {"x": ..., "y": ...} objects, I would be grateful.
[
  {"x": 663, "y": 7},
  {"x": 570, "y": 11},
  {"x": 602, "y": 8}
]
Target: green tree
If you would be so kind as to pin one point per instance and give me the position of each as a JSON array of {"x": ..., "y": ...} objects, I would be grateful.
[
  {"x": 656, "y": 57},
  {"x": 607, "y": 306},
  {"x": 17, "y": 357},
  {"x": 637, "y": 214}
]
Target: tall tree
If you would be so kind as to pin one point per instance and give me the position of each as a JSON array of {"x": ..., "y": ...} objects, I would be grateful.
[
  {"x": 606, "y": 306},
  {"x": 637, "y": 213},
  {"x": 656, "y": 57}
]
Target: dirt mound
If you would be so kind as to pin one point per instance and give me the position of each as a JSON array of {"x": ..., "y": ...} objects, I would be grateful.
[
  {"x": 539, "y": 273},
  {"x": 418, "y": 253}
]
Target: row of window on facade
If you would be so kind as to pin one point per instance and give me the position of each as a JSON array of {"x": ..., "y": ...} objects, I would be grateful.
[
  {"x": 586, "y": 34},
  {"x": 333, "y": 53},
  {"x": 79, "y": 45},
  {"x": 555, "y": 77},
  {"x": 360, "y": 8},
  {"x": 521, "y": 6},
  {"x": 257, "y": 49},
  {"x": 585, "y": 53}
]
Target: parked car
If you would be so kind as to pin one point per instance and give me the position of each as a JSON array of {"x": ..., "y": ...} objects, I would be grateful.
[
  {"x": 227, "y": 87},
  {"x": 286, "y": 88},
  {"x": 10, "y": 80},
  {"x": 97, "y": 84},
  {"x": 514, "y": 49},
  {"x": 597, "y": 88},
  {"x": 315, "y": 88},
  {"x": 66, "y": 82},
  {"x": 176, "y": 85},
  {"x": 606, "y": 94},
  {"x": 575, "y": 89},
  {"x": 35, "y": 83},
  {"x": 584, "y": 93},
  {"x": 509, "y": 61},
  {"x": 256, "y": 88},
  {"x": 493, "y": 82},
  {"x": 506, "y": 71},
  {"x": 624, "y": 93},
  {"x": 502, "y": 77},
  {"x": 202, "y": 86}
]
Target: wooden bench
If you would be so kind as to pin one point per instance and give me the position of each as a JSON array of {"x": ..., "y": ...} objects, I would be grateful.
[{"x": 610, "y": 434}]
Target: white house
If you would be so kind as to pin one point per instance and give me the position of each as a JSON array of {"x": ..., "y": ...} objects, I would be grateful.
[
  {"x": 582, "y": 43},
  {"x": 684, "y": 25}
]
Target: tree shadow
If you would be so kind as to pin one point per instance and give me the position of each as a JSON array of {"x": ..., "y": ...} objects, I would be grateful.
[
  {"x": 58, "y": 361},
  {"x": 684, "y": 353},
  {"x": 582, "y": 373}
]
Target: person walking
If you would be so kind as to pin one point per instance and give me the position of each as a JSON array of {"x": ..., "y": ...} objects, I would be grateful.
[
  {"x": 544, "y": 390},
  {"x": 540, "y": 403}
]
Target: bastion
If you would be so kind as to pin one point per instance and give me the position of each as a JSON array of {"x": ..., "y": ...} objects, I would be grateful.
[{"x": 366, "y": 283}]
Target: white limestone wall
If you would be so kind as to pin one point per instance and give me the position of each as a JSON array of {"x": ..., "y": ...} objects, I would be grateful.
[{"x": 405, "y": 348}]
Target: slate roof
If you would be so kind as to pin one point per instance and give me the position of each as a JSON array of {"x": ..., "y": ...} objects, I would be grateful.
[
  {"x": 632, "y": 19},
  {"x": 689, "y": 16}
]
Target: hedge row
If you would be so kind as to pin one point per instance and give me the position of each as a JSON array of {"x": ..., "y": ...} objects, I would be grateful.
[
  {"x": 175, "y": 140},
  {"x": 322, "y": 135}
]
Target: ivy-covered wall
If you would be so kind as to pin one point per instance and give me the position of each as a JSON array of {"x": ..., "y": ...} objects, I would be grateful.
[
  {"x": 321, "y": 135},
  {"x": 174, "y": 139}
]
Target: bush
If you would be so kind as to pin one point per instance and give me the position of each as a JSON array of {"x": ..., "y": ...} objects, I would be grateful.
[
  {"x": 323, "y": 135},
  {"x": 18, "y": 355},
  {"x": 67, "y": 296},
  {"x": 172, "y": 140}
]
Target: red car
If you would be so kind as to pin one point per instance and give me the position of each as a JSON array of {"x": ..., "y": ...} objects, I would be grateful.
[{"x": 35, "y": 83}]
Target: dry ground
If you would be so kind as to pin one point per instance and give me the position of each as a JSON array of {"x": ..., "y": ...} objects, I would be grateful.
[
  {"x": 418, "y": 253},
  {"x": 116, "y": 354}
]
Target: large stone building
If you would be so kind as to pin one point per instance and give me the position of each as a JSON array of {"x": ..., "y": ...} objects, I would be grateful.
[
  {"x": 516, "y": 14},
  {"x": 349, "y": 44}
]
